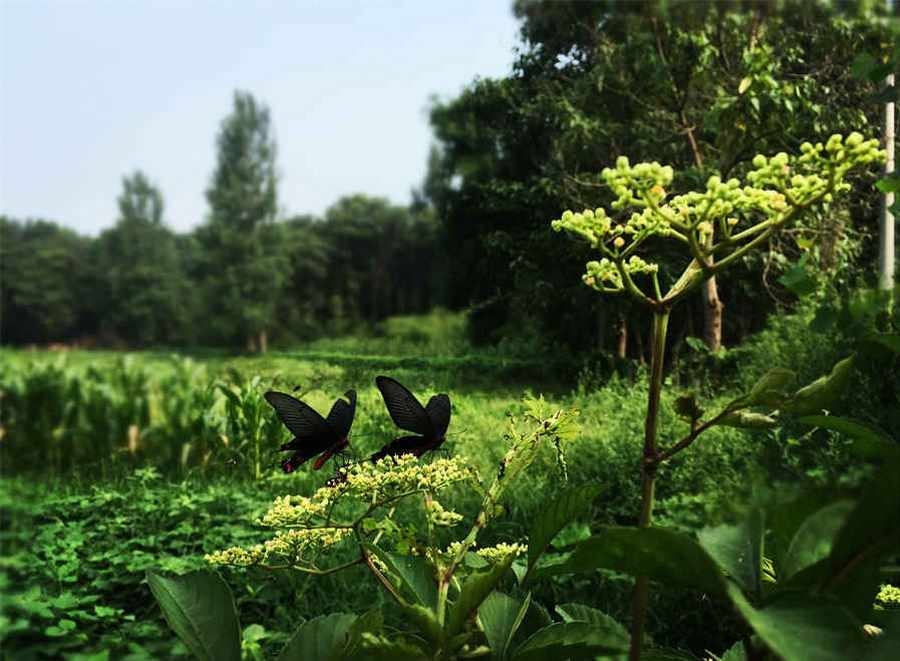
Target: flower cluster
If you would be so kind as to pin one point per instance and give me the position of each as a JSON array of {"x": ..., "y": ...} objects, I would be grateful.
[
  {"x": 707, "y": 221},
  {"x": 500, "y": 552},
  {"x": 605, "y": 275},
  {"x": 440, "y": 516},
  {"x": 888, "y": 596},
  {"x": 290, "y": 546},
  {"x": 393, "y": 476}
]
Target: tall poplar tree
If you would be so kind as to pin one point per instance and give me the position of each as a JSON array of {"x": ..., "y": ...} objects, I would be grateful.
[{"x": 244, "y": 267}]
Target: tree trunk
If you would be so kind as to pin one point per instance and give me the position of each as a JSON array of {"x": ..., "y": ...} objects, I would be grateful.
[
  {"x": 712, "y": 315},
  {"x": 251, "y": 344},
  {"x": 622, "y": 350},
  {"x": 263, "y": 341}
]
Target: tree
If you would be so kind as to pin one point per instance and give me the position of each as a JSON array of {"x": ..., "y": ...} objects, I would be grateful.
[
  {"x": 243, "y": 269},
  {"x": 144, "y": 297},
  {"x": 45, "y": 276},
  {"x": 702, "y": 88}
]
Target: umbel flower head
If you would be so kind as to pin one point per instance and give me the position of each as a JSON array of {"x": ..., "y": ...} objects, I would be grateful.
[
  {"x": 721, "y": 222},
  {"x": 306, "y": 525}
]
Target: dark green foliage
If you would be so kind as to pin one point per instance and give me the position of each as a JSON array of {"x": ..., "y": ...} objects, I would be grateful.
[{"x": 699, "y": 85}]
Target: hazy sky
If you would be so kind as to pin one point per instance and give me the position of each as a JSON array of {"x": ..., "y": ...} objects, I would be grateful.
[{"x": 93, "y": 90}]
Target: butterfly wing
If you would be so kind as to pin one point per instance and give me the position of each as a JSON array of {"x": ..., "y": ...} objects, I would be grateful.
[
  {"x": 340, "y": 418},
  {"x": 406, "y": 411},
  {"x": 303, "y": 420},
  {"x": 438, "y": 410},
  {"x": 404, "y": 445}
]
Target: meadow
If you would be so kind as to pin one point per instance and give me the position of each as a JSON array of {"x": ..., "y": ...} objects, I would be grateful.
[{"x": 116, "y": 464}]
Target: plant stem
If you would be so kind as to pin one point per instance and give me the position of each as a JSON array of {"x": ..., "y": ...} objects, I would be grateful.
[{"x": 649, "y": 464}]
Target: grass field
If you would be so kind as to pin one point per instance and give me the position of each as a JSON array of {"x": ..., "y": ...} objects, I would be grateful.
[{"x": 119, "y": 463}]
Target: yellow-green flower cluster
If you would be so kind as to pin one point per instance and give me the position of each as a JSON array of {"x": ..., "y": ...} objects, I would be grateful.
[
  {"x": 296, "y": 510},
  {"x": 500, "y": 552},
  {"x": 648, "y": 180},
  {"x": 888, "y": 596},
  {"x": 440, "y": 516},
  {"x": 397, "y": 475},
  {"x": 291, "y": 546},
  {"x": 777, "y": 188},
  {"x": 604, "y": 275},
  {"x": 819, "y": 170},
  {"x": 237, "y": 556}
]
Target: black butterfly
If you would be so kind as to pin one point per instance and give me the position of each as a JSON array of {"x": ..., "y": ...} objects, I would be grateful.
[
  {"x": 429, "y": 422},
  {"x": 313, "y": 434}
]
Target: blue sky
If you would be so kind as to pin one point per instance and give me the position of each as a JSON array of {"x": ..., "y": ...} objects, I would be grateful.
[{"x": 93, "y": 90}]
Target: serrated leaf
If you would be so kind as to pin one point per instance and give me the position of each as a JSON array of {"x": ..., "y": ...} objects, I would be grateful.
[
  {"x": 581, "y": 613},
  {"x": 200, "y": 608},
  {"x": 414, "y": 572},
  {"x": 737, "y": 549},
  {"x": 324, "y": 637},
  {"x": 556, "y": 515},
  {"x": 475, "y": 589},
  {"x": 889, "y": 184},
  {"x": 500, "y": 617},
  {"x": 814, "y": 538},
  {"x": 870, "y": 532},
  {"x": 564, "y": 640},
  {"x": 663, "y": 555},
  {"x": 800, "y": 627}
]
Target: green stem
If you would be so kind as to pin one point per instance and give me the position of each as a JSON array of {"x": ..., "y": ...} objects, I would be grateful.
[{"x": 649, "y": 464}]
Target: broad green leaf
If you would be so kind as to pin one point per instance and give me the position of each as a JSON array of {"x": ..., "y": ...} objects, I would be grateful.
[
  {"x": 414, "y": 572},
  {"x": 785, "y": 519},
  {"x": 582, "y": 613},
  {"x": 802, "y": 627},
  {"x": 200, "y": 608},
  {"x": 476, "y": 587},
  {"x": 798, "y": 280},
  {"x": 389, "y": 649},
  {"x": 814, "y": 538},
  {"x": 870, "y": 532},
  {"x": 888, "y": 184},
  {"x": 324, "y": 637},
  {"x": 738, "y": 549},
  {"x": 556, "y": 515},
  {"x": 768, "y": 391},
  {"x": 500, "y": 617},
  {"x": 425, "y": 620},
  {"x": 664, "y": 555},
  {"x": 869, "y": 442},
  {"x": 369, "y": 622},
  {"x": 567, "y": 640},
  {"x": 822, "y": 393}
]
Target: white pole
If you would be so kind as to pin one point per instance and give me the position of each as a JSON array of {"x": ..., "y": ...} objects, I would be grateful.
[{"x": 886, "y": 251}]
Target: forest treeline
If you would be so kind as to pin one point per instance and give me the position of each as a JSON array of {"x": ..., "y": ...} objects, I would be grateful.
[{"x": 703, "y": 86}]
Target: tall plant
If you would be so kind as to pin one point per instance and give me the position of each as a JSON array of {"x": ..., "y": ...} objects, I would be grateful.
[{"x": 715, "y": 227}]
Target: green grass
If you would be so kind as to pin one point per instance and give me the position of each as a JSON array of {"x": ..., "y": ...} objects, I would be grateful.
[{"x": 85, "y": 515}]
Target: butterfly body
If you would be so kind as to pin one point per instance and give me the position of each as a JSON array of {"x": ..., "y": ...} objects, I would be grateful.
[
  {"x": 429, "y": 423},
  {"x": 313, "y": 434}
]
